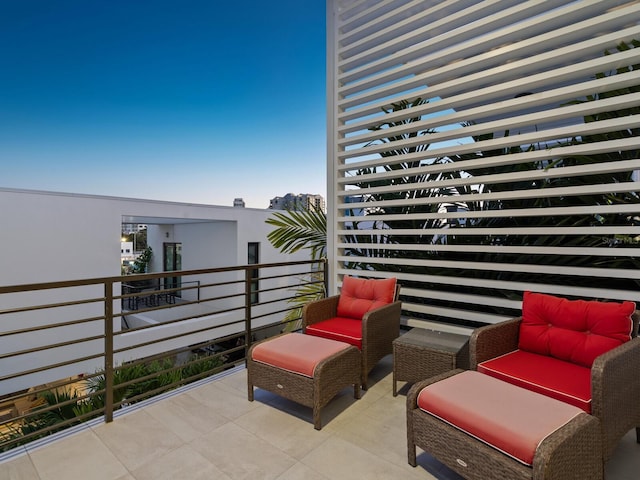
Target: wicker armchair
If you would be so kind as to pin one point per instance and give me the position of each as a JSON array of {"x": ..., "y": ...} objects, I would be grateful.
[
  {"x": 376, "y": 329},
  {"x": 615, "y": 389}
]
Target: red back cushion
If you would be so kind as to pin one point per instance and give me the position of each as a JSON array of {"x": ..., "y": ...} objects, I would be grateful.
[
  {"x": 359, "y": 295},
  {"x": 576, "y": 331}
]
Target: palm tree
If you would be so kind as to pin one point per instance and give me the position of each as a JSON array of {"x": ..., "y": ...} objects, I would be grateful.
[
  {"x": 301, "y": 230},
  {"x": 584, "y": 241}
]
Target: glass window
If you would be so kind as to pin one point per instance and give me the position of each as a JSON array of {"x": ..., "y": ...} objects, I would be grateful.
[{"x": 253, "y": 258}]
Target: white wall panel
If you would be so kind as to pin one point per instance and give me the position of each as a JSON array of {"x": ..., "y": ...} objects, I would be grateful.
[{"x": 513, "y": 171}]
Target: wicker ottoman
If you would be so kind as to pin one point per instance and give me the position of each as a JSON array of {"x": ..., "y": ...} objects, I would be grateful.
[
  {"x": 306, "y": 369},
  {"x": 521, "y": 434}
]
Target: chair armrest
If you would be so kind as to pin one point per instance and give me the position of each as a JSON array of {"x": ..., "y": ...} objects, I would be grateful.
[
  {"x": 412, "y": 410},
  {"x": 615, "y": 391},
  {"x": 574, "y": 450},
  {"x": 319, "y": 310},
  {"x": 382, "y": 323},
  {"x": 494, "y": 340}
]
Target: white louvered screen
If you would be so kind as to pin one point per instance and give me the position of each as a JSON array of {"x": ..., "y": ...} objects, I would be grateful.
[{"x": 515, "y": 170}]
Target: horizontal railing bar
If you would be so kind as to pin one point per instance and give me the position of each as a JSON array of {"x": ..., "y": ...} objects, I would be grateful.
[
  {"x": 52, "y": 325},
  {"x": 218, "y": 284},
  {"x": 221, "y": 297},
  {"x": 285, "y": 275},
  {"x": 172, "y": 385},
  {"x": 38, "y": 433},
  {"x": 161, "y": 289},
  {"x": 277, "y": 300},
  {"x": 160, "y": 356},
  {"x": 204, "y": 374},
  {"x": 214, "y": 341},
  {"x": 142, "y": 379},
  {"x": 143, "y": 276},
  {"x": 45, "y": 388},
  {"x": 271, "y": 313},
  {"x": 201, "y": 361},
  {"x": 59, "y": 404},
  {"x": 52, "y": 305},
  {"x": 266, "y": 327},
  {"x": 178, "y": 320},
  {"x": 172, "y": 337},
  {"x": 29, "y": 414},
  {"x": 50, "y": 367},
  {"x": 275, "y": 289},
  {"x": 51, "y": 346}
]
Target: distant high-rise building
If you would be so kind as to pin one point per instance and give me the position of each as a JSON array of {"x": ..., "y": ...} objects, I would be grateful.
[
  {"x": 238, "y": 202},
  {"x": 303, "y": 201}
]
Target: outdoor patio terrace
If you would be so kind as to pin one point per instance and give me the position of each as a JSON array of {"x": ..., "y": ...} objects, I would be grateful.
[{"x": 210, "y": 430}]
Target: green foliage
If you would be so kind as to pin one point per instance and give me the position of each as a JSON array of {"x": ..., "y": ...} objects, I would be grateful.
[
  {"x": 141, "y": 264},
  {"x": 201, "y": 364},
  {"x": 130, "y": 381},
  {"x": 134, "y": 380},
  {"x": 305, "y": 293},
  {"x": 500, "y": 223},
  {"x": 299, "y": 229},
  {"x": 63, "y": 402},
  {"x": 58, "y": 407},
  {"x": 423, "y": 197},
  {"x": 416, "y": 197}
]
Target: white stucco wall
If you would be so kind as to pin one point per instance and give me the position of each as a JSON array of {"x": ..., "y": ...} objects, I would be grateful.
[
  {"x": 60, "y": 236},
  {"x": 57, "y": 237},
  {"x": 210, "y": 245},
  {"x": 63, "y": 236}
]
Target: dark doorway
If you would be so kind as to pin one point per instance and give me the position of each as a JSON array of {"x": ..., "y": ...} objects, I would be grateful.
[{"x": 172, "y": 261}]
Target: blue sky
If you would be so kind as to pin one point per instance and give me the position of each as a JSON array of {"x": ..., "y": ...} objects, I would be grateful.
[{"x": 183, "y": 100}]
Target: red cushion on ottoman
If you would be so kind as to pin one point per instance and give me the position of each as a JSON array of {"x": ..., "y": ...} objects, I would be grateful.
[
  {"x": 296, "y": 352},
  {"x": 511, "y": 419}
]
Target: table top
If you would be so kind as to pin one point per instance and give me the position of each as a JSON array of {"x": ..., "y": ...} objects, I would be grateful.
[{"x": 436, "y": 340}]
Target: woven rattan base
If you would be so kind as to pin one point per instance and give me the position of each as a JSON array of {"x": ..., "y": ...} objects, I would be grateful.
[
  {"x": 572, "y": 452},
  {"x": 423, "y": 353},
  {"x": 331, "y": 375}
]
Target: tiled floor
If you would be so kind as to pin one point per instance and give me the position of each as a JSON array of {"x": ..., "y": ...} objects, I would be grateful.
[{"x": 213, "y": 432}]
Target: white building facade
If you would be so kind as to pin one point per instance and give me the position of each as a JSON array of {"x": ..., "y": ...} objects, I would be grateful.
[{"x": 49, "y": 247}]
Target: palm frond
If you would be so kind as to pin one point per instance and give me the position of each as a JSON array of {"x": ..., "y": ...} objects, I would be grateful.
[{"x": 299, "y": 229}]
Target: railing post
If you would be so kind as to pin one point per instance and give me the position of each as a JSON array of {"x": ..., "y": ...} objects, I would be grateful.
[
  {"x": 325, "y": 273},
  {"x": 108, "y": 351},
  {"x": 248, "y": 277}
]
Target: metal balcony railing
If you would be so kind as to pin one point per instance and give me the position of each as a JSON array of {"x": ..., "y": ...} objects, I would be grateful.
[{"x": 76, "y": 350}]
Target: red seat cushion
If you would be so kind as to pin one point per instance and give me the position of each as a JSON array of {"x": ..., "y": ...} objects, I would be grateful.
[
  {"x": 342, "y": 329},
  {"x": 511, "y": 419},
  {"x": 359, "y": 295},
  {"x": 295, "y": 352},
  {"x": 549, "y": 376},
  {"x": 576, "y": 331}
]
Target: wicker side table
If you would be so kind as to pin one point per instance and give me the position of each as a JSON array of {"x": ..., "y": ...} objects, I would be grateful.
[{"x": 421, "y": 353}]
